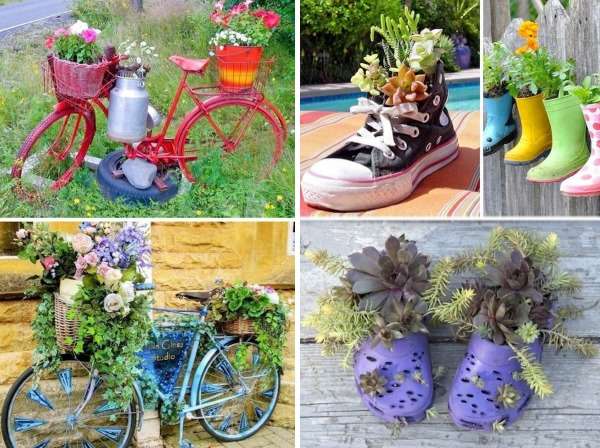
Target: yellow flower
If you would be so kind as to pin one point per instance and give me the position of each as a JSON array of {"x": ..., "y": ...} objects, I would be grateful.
[
  {"x": 528, "y": 30},
  {"x": 76, "y": 201},
  {"x": 530, "y": 45},
  {"x": 198, "y": 212},
  {"x": 279, "y": 198},
  {"x": 268, "y": 206}
]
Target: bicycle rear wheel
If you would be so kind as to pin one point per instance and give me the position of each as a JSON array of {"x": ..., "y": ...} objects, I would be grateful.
[
  {"x": 42, "y": 414},
  {"x": 238, "y": 418},
  {"x": 56, "y": 147},
  {"x": 243, "y": 133}
]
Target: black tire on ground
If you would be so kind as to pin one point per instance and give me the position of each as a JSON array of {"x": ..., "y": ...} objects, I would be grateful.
[
  {"x": 113, "y": 188},
  {"x": 15, "y": 387}
]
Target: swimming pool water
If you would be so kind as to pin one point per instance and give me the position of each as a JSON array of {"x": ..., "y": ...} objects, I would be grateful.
[{"x": 463, "y": 96}]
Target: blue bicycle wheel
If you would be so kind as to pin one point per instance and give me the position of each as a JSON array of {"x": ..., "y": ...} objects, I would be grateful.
[
  {"x": 258, "y": 381},
  {"x": 42, "y": 413}
]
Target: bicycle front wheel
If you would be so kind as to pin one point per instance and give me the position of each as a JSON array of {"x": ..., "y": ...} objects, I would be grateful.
[
  {"x": 238, "y": 418},
  {"x": 43, "y": 414},
  {"x": 241, "y": 135},
  {"x": 53, "y": 151}
]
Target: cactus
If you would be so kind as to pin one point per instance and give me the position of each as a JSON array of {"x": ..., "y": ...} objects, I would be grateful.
[{"x": 396, "y": 35}]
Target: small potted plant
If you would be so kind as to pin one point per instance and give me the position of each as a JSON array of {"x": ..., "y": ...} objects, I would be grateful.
[
  {"x": 585, "y": 181},
  {"x": 376, "y": 316},
  {"x": 500, "y": 126},
  {"x": 242, "y": 33},
  {"x": 510, "y": 307},
  {"x": 251, "y": 310},
  {"x": 76, "y": 61},
  {"x": 551, "y": 120}
]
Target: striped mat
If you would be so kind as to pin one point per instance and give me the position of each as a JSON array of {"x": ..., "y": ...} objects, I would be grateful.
[{"x": 452, "y": 191}]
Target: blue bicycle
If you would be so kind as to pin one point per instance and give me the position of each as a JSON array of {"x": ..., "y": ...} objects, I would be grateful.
[{"x": 66, "y": 408}]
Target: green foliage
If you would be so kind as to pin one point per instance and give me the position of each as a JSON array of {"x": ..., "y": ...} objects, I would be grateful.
[
  {"x": 533, "y": 372},
  {"x": 589, "y": 90},
  {"x": 46, "y": 355},
  {"x": 331, "y": 264},
  {"x": 448, "y": 50},
  {"x": 495, "y": 69},
  {"x": 538, "y": 72},
  {"x": 271, "y": 335},
  {"x": 396, "y": 35},
  {"x": 371, "y": 76},
  {"x": 75, "y": 49},
  {"x": 455, "y": 310},
  {"x": 97, "y": 13}
]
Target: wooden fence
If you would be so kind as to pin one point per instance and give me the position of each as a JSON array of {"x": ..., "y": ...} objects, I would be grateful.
[{"x": 572, "y": 33}]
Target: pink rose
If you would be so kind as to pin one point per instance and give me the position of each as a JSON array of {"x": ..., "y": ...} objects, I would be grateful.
[
  {"x": 80, "y": 263},
  {"x": 49, "y": 43},
  {"x": 48, "y": 262},
  {"x": 103, "y": 269},
  {"x": 91, "y": 258},
  {"x": 89, "y": 35},
  {"x": 61, "y": 32}
]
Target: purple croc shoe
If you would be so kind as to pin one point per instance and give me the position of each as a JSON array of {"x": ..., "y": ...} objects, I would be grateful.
[
  {"x": 396, "y": 385},
  {"x": 486, "y": 389}
]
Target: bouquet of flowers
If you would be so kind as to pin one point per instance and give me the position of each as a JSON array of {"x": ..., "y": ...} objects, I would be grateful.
[
  {"x": 261, "y": 311},
  {"x": 88, "y": 281}
]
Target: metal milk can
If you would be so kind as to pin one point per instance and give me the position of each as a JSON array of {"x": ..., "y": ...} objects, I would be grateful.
[{"x": 128, "y": 109}]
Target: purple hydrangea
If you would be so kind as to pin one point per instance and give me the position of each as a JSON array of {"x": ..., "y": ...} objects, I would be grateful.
[{"x": 133, "y": 246}]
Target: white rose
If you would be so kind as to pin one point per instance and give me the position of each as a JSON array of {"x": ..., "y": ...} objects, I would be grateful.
[
  {"x": 112, "y": 276},
  {"x": 127, "y": 291},
  {"x": 273, "y": 297},
  {"x": 82, "y": 243},
  {"x": 22, "y": 234},
  {"x": 78, "y": 27},
  {"x": 113, "y": 303}
]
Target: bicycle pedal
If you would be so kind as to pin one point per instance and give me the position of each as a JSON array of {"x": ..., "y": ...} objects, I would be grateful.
[{"x": 186, "y": 444}]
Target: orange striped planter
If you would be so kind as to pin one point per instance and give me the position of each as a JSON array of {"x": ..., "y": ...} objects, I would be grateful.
[{"x": 238, "y": 66}]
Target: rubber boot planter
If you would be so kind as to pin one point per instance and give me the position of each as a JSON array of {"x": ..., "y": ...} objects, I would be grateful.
[
  {"x": 586, "y": 182},
  {"x": 486, "y": 389},
  {"x": 396, "y": 385},
  {"x": 500, "y": 126},
  {"x": 569, "y": 147},
  {"x": 536, "y": 138}
]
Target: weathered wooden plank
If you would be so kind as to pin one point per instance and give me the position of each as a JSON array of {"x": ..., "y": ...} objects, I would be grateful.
[
  {"x": 332, "y": 415},
  {"x": 578, "y": 241}
]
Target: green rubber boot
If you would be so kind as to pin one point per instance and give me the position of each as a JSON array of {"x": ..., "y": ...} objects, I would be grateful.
[{"x": 569, "y": 145}]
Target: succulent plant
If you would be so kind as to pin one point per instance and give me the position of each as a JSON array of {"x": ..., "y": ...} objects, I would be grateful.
[
  {"x": 540, "y": 314},
  {"x": 370, "y": 77},
  {"x": 508, "y": 396},
  {"x": 516, "y": 277},
  {"x": 401, "y": 320},
  {"x": 405, "y": 87},
  {"x": 498, "y": 318},
  {"x": 399, "y": 273},
  {"x": 372, "y": 383}
]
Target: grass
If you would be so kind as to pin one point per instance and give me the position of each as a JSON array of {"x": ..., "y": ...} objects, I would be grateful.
[{"x": 223, "y": 189}]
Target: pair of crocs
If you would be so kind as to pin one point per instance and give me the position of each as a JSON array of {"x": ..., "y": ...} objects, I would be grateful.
[{"x": 397, "y": 385}]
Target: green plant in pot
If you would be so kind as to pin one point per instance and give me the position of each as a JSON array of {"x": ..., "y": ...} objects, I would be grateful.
[
  {"x": 585, "y": 182},
  {"x": 242, "y": 33},
  {"x": 500, "y": 126},
  {"x": 510, "y": 307}
]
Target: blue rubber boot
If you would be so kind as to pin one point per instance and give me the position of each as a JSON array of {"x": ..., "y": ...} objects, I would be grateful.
[{"x": 500, "y": 127}]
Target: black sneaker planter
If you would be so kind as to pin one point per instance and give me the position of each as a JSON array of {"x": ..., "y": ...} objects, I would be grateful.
[{"x": 384, "y": 162}]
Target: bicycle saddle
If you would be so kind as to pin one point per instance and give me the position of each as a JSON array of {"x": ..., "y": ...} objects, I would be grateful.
[
  {"x": 200, "y": 296},
  {"x": 190, "y": 65}
]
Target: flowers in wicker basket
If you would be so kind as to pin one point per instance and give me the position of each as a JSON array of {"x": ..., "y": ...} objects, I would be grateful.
[
  {"x": 256, "y": 310},
  {"x": 109, "y": 321},
  {"x": 78, "y": 43}
]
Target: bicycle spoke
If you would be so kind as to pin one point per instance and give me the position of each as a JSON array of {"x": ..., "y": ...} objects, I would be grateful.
[
  {"x": 24, "y": 424},
  {"x": 243, "y": 425},
  {"x": 65, "y": 377},
  {"x": 38, "y": 397},
  {"x": 43, "y": 444}
]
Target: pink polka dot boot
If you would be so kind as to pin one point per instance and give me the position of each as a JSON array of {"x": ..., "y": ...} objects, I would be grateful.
[{"x": 586, "y": 182}]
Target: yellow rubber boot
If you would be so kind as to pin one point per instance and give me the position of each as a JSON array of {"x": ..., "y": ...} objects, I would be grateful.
[{"x": 536, "y": 137}]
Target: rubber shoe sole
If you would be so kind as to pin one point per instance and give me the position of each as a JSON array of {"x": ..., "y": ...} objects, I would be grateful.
[{"x": 348, "y": 195}]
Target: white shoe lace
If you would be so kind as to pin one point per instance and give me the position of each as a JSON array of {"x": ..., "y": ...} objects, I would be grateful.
[{"x": 385, "y": 141}]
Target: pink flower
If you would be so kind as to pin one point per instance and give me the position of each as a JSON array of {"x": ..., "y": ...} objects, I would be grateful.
[
  {"x": 103, "y": 269},
  {"x": 48, "y": 262},
  {"x": 217, "y": 18},
  {"x": 91, "y": 258},
  {"x": 239, "y": 9},
  {"x": 61, "y": 32},
  {"x": 219, "y": 5},
  {"x": 49, "y": 42},
  {"x": 270, "y": 18},
  {"x": 80, "y": 263},
  {"x": 89, "y": 35}
]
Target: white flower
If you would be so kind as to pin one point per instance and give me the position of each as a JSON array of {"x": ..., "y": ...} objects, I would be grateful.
[
  {"x": 143, "y": 43},
  {"x": 112, "y": 276},
  {"x": 138, "y": 60},
  {"x": 127, "y": 291},
  {"x": 273, "y": 296},
  {"x": 78, "y": 27},
  {"x": 22, "y": 234},
  {"x": 113, "y": 303},
  {"x": 82, "y": 243}
]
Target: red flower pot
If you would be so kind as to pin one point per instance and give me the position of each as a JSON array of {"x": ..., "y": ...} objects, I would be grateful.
[
  {"x": 80, "y": 81},
  {"x": 238, "y": 66}
]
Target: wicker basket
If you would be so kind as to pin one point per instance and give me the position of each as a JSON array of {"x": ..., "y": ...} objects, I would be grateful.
[
  {"x": 80, "y": 81},
  {"x": 238, "y": 327},
  {"x": 65, "y": 327}
]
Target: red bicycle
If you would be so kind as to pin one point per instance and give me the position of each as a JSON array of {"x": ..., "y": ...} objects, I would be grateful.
[{"x": 243, "y": 124}]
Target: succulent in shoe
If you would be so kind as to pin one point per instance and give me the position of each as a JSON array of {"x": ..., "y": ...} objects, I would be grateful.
[
  {"x": 498, "y": 318},
  {"x": 515, "y": 276},
  {"x": 507, "y": 396},
  {"x": 540, "y": 314},
  {"x": 370, "y": 77},
  {"x": 380, "y": 278},
  {"x": 372, "y": 383},
  {"x": 401, "y": 320},
  {"x": 405, "y": 87}
]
